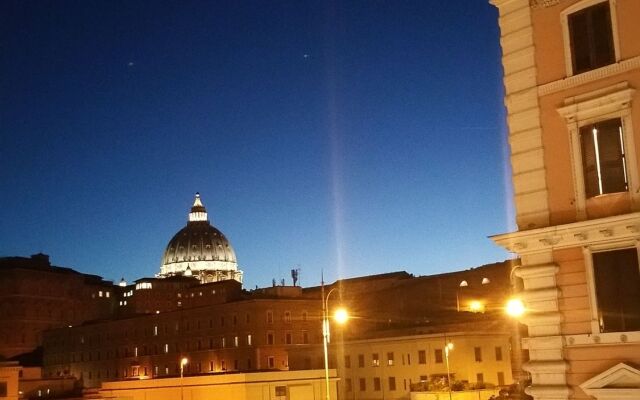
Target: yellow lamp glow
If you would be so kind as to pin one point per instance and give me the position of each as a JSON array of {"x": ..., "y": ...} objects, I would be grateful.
[
  {"x": 476, "y": 306},
  {"x": 184, "y": 361},
  {"x": 341, "y": 316},
  {"x": 450, "y": 346},
  {"x": 515, "y": 308}
]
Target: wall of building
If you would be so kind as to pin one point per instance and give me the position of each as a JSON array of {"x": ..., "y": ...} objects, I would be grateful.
[
  {"x": 35, "y": 296},
  {"x": 290, "y": 385},
  {"x": 152, "y": 345},
  {"x": 560, "y": 228}
]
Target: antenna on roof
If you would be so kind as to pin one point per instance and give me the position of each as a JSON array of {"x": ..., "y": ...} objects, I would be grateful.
[{"x": 295, "y": 274}]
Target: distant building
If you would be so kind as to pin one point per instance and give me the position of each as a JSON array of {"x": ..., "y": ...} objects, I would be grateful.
[
  {"x": 571, "y": 76},
  {"x": 36, "y": 296},
  {"x": 197, "y": 309}
]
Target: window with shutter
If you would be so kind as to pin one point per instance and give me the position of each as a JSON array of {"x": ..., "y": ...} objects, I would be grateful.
[
  {"x": 603, "y": 158},
  {"x": 591, "y": 38},
  {"x": 617, "y": 285}
]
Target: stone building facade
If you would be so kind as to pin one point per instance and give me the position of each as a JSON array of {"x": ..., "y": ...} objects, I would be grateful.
[
  {"x": 571, "y": 73},
  {"x": 36, "y": 296}
]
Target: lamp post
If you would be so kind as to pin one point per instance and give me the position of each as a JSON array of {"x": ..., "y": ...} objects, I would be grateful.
[
  {"x": 341, "y": 316},
  {"x": 184, "y": 361},
  {"x": 447, "y": 349}
]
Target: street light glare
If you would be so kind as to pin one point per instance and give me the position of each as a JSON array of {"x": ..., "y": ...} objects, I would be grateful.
[
  {"x": 341, "y": 316},
  {"x": 476, "y": 306},
  {"x": 184, "y": 361},
  {"x": 515, "y": 308},
  {"x": 450, "y": 346}
]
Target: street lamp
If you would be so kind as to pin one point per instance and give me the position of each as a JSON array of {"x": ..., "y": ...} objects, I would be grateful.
[
  {"x": 447, "y": 349},
  {"x": 340, "y": 316},
  {"x": 515, "y": 308},
  {"x": 184, "y": 361}
]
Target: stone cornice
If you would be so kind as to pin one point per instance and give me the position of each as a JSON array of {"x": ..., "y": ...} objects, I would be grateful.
[
  {"x": 544, "y": 3},
  {"x": 578, "y": 234},
  {"x": 586, "y": 77}
]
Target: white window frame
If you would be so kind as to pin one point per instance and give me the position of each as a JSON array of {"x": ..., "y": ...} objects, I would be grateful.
[
  {"x": 587, "y": 252},
  {"x": 601, "y": 105},
  {"x": 564, "y": 20}
]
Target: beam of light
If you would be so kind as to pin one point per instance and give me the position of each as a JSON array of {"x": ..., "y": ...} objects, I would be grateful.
[
  {"x": 335, "y": 144},
  {"x": 507, "y": 179}
]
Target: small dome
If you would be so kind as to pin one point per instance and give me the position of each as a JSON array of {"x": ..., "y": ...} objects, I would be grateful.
[{"x": 201, "y": 250}]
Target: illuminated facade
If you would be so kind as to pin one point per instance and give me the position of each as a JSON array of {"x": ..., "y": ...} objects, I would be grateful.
[
  {"x": 219, "y": 327},
  {"x": 571, "y": 73},
  {"x": 200, "y": 250}
]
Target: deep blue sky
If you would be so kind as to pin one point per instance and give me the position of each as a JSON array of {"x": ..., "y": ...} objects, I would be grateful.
[{"x": 356, "y": 136}]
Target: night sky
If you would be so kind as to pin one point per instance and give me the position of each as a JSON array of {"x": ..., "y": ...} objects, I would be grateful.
[{"x": 357, "y": 137}]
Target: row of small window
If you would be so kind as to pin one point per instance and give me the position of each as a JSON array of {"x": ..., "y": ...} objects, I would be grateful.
[
  {"x": 155, "y": 349},
  {"x": 137, "y": 371},
  {"x": 422, "y": 357},
  {"x": 407, "y": 385},
  {"x": 288, "y": 338},
  {"x": 156, "y": 331},
  {"x": 195, "y": 367},
  {"x": 101, "y": 294},
  {"x": 186, "y": 295},
  {"x": 286, "y": 316}
]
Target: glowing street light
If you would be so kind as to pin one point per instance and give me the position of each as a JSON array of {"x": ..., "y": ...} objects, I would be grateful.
[
  {"x": 515, "y": 308},
  {"x": 476, "y": 306},
  {"x": 447, "y": 349},
  {"x": 184, "y": 361},
  {"x": 340, "y": 316}
]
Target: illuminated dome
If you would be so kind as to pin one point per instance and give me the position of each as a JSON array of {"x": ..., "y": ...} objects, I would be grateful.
[{"x": 200, "y": 250}]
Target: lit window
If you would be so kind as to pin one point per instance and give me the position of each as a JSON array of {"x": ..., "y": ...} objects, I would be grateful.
[
  {"x": 603, "y": 158},
  {"x": 249, "y": 340},
  {"x": 166, "y": 348},
  {"x": 617, "y": 290},
  {"x": 236, "y": 342},
  {"x": 591, "y": 38},
  {"x": 108, "y": 294},
  {"x": 155, "y": 330},
  {"x": 375, "y": 360},
  {"x": 224, "y": 342},
  {"x": 100, "y": 293}
]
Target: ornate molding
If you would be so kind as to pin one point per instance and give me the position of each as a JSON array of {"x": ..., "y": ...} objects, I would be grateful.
[
  {"x": 543, "y": 3},
  {"x": 578, "y": 234},
  {"x": 594, "y": 75}
]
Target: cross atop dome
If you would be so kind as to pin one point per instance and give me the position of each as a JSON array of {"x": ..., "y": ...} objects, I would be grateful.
[{"x": 198, "y": 212}]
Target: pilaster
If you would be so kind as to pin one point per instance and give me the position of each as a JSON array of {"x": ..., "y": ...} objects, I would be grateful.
[{"x": 523, "y": 113}]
